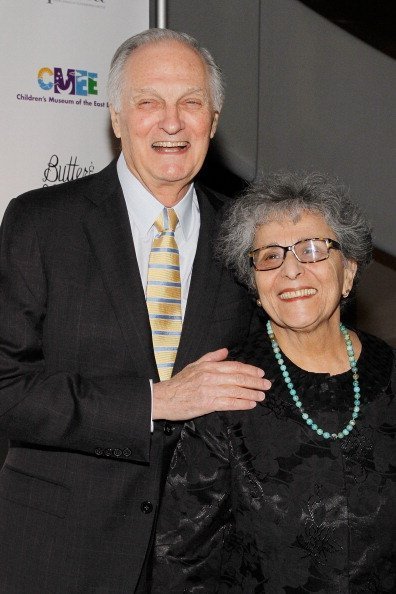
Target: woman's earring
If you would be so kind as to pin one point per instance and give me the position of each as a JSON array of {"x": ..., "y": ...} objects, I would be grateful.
[
  {"x": 259, "y": 303},
  {"x": 345, "y": 294}
]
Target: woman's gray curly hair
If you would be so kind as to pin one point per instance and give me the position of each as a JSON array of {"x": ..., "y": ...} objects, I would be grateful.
[{"x": 288, "y": 195}]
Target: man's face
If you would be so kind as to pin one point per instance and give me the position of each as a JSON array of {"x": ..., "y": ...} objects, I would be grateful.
[{"x": 166, "y": 118}]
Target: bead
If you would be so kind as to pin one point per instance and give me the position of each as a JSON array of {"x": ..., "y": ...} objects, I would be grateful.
[{"x": 305, "y": 416}]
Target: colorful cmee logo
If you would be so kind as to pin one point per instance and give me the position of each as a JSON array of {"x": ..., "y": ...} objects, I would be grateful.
[{"x": 68, "y": 81}]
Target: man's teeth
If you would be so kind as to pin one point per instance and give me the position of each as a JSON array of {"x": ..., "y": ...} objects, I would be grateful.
[
  {"x": 299, "y": 293},
  {"x": 168, "y": 144}
]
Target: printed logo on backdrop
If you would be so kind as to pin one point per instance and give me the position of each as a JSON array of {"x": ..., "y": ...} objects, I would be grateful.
[
  {"x": 91, "y": 3},
  {"x": 70, "y": 86},
  {"x": 57, "y": 172},
  {"x": 68, "y": 81}
]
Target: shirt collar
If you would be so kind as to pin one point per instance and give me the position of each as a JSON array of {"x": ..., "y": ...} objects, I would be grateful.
[{"x": 144, "y": 208}]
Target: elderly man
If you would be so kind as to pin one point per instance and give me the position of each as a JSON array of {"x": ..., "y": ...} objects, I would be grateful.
[{"x": 114, "y": 318}]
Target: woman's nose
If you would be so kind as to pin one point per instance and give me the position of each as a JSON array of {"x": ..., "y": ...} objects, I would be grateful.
[{"x": 292, "y": 267}]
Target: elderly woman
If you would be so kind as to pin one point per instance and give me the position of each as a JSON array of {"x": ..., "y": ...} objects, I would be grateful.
[{"x": 297, "y": 495}]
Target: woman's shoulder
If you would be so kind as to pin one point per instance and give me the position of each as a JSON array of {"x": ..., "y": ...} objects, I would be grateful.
[
  {"x": 370, "y": 341},
  {"x": 254, "y": 350},
  {"x": 377, "y": 363}
]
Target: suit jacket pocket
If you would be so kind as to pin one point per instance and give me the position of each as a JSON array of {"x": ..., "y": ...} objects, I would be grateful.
[{"x": 34, "y": 492}]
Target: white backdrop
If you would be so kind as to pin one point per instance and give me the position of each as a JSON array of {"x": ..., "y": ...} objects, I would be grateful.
[{"x": 60, "y": 130}]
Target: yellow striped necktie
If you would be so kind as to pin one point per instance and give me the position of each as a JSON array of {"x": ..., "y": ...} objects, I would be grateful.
[{"x": 164, "y": 293}]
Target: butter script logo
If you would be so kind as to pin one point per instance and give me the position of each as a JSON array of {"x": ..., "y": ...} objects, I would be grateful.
[
  {"x": 55, "y": 172},
  {"x": 73, "y": 82}
]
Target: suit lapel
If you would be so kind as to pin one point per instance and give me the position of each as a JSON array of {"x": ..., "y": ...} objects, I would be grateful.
[
  {"x": 109, "y": 234},
  {"x": 205, "y": 280},
  {"x": 108, "y": 231}
]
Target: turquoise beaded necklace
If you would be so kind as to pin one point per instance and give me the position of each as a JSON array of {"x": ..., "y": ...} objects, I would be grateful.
[{"x": 297, "y": 402}]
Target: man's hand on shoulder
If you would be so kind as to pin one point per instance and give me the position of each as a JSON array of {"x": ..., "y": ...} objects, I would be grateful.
[{"x": 209, "y": 384}]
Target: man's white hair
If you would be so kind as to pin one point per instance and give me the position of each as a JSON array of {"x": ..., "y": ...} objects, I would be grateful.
[{"x": 116, "y": 79}]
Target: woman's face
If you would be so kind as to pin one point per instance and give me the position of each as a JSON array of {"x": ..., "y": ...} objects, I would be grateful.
[{"x": 302, "y": 296}]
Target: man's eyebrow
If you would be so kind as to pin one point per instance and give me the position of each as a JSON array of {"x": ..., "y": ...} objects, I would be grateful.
[
  {"x": 152, "y": 90},
  {"x": 199, "y": 90},
  {"x": 143, "y": 91}
]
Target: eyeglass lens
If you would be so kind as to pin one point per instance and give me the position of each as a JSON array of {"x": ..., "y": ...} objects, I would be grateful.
[{"x": 309, "y": 250}]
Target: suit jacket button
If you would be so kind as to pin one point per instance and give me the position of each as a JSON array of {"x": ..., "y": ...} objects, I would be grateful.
[
  {"x": 168, "y": 429},
  {"x": 127, "y": 452},
  {"x": 99, "y": 451},
  {"x": 108, "y": 452},
  {"x": 117, "y": 452},
  {"x": 146, "y": 507}
]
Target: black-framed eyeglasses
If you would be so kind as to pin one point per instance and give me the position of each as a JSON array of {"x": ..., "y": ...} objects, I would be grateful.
[{"x": 315, "y": 249}]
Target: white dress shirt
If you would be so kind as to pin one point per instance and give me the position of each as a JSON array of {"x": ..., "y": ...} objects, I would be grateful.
[{"x": 143, "y": 210}]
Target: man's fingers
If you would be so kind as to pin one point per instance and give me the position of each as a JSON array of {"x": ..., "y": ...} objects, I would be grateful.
[
  {"x": 225, "y": 392},
  {"x": 240, "y": 380},
  {"x": 207, "y": 385},
  {"x": 212, "y": 379},
  {"x": 226, "y": 403},
  {"x": 218, "y": 355},
  {"x": 228, "y": 366}
]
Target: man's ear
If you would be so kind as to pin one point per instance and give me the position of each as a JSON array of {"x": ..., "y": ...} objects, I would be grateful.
[
  {"x": 214, "y": 124},
  {"x": 115, "y": 121}
]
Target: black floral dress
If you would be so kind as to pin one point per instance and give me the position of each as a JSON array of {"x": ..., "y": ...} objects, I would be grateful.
[{"x": 256, "y": 502}]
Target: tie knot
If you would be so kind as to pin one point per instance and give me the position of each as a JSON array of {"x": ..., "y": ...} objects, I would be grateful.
[{"x": 167, "y": 220}]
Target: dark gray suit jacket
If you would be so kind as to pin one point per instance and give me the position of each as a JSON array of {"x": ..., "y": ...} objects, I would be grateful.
[{"x": 80, "y": 486}]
